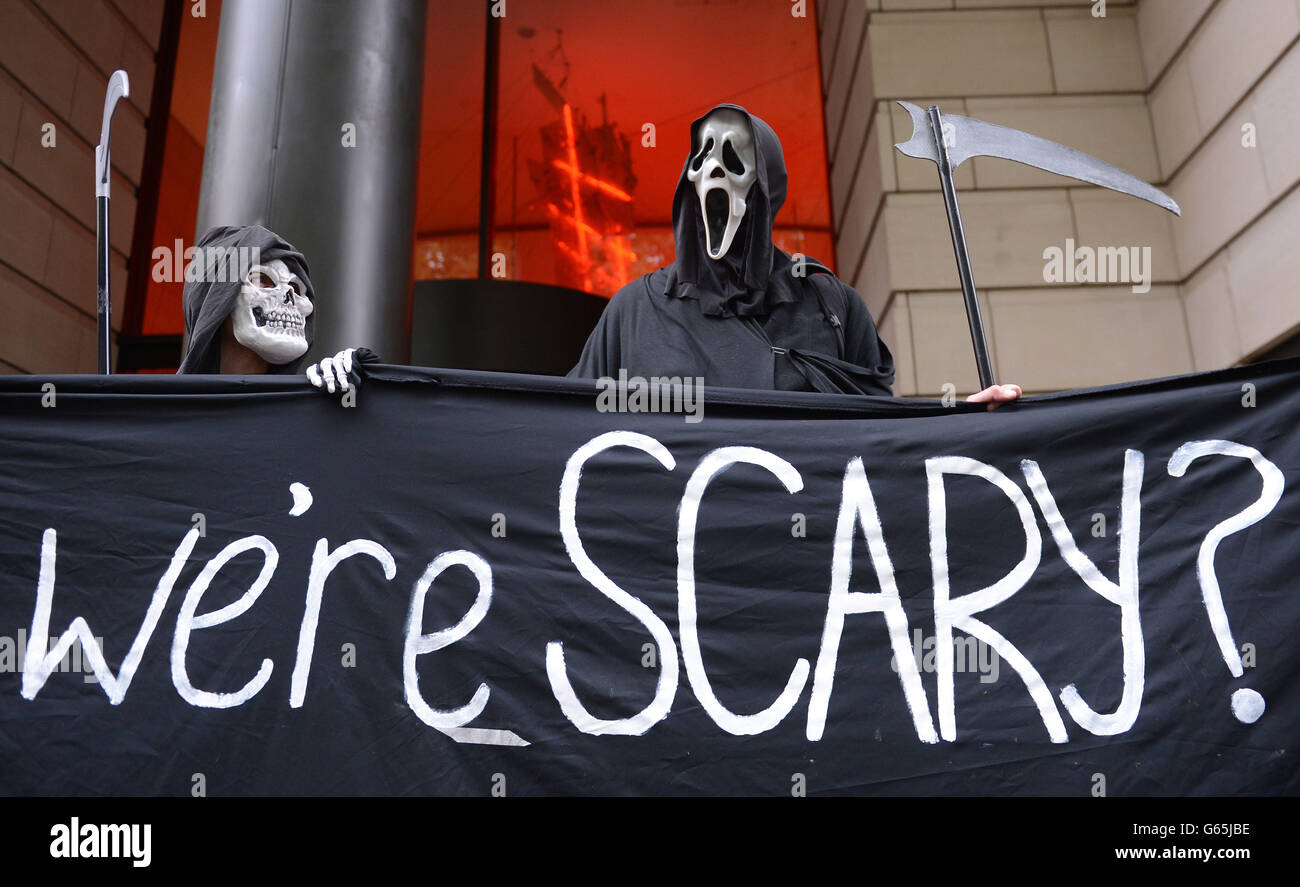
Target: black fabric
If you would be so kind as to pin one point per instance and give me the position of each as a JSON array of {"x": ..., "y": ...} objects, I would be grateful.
[
  {"x": 799, "y": 346},
  {"x": 105, "y": 478},
  {"x": 361, "y": 359},
  {"x": 208, "y": 300},
  {"x": 754, "y": 319}
]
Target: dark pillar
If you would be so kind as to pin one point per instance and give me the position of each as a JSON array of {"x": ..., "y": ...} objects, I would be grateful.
[
  {"x": 296, "y": 82},
  {"x": 487, "y": 198}
]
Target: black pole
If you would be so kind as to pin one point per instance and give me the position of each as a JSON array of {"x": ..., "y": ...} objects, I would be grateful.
[
  {"x": 155, "y": 145},
  {"x": 319, "y": 141},
  {"x": 487, "y": 172},
  {"x": 118, "y": 89},
  {"x": 982, "y": 362},
  {"x": 103, "y": 297}
]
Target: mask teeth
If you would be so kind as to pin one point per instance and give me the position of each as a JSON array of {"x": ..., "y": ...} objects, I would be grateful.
[{"x": 286, "y": 320}]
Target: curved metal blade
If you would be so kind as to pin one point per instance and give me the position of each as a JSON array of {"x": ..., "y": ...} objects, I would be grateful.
[
  {"x": 968, "y": 138},
  {"x": 921, "y": 144}
]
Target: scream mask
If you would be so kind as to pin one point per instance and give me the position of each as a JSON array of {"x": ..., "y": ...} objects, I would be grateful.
[
  {"x": 733, "y": 308},
  {"x": 722, "y": 169},
  {"x": 270, "y": 313}
]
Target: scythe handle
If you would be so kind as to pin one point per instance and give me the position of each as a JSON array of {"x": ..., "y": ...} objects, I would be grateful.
[
  {"x": 118, "y": 88},
  {"x": 978, "y": 340},
  {"x": 103, "y": 298}
]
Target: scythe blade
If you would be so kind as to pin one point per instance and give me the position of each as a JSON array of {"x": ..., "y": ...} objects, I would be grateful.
[{"x": 965, "y": 138}]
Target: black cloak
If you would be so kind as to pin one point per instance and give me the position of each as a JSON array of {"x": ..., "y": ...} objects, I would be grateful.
[
  {"x": 752, "y": 319},
  {"x": 208, "y": 302}
]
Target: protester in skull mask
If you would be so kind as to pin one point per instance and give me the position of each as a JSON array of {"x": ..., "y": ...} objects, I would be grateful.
[
  {"x": 250, "y": 309},
  {"x": 732, "y": 308}
]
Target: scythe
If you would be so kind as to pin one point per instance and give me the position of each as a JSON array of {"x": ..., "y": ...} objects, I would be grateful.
[
  {"x": 950, "y": 140},
  {"x": 118, "y": 88}
]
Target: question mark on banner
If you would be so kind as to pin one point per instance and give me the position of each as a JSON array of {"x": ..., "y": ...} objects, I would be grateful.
[{"x": 1247, "y": 704}]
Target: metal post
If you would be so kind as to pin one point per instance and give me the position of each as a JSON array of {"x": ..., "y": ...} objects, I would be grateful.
[
  {"x": 118, "y": 88},
  {"x": 487, "y": 168},
  {"x": 978, "y": 340},
  {"x": 314, "y": 132}
]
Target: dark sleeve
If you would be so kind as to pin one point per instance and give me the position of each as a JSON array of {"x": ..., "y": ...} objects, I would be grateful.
[
  {"x": 364, "y": 355},
  {"x": 361, "y": 357},
  {"x": 862, "y": 344},
  {"x": 602, "y": 355}
]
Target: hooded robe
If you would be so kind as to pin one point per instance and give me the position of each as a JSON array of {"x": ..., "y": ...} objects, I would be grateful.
[
  {"x": 209, "y": 301},
  {"x": 751, "y": 319}
]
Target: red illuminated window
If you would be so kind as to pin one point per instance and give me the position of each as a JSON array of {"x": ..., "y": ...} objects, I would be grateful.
[{"x": 594, "y": 103}]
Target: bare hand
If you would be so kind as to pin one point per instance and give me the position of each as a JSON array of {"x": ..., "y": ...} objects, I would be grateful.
[{"x": 996, "y": 395}]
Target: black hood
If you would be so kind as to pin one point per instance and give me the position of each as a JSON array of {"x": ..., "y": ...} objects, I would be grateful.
[
  {"x": 208, "y": 302},
  {"x": 754, "y": 276}
]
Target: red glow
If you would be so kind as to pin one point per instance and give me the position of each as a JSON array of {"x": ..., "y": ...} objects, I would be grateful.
[
  {"x": 571, "y": 145},
  {"x": 586, "y": 190},
  {"x": 557, "y": 214},
  {"x": 671, "y": 47},
  {"x": 622, "y": 255},
  {"x": 612, "y": 191}
]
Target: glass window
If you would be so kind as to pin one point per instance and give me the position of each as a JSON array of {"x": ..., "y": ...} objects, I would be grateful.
[{"x": 594, "y": 104}]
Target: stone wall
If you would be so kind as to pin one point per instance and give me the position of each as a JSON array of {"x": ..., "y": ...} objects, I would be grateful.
[
  {"x": 1160, "y": 88},
  {"x": 55, "y": 58}
]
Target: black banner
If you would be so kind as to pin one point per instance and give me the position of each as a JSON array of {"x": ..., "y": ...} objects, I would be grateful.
[{"x": 488, "y": 584}]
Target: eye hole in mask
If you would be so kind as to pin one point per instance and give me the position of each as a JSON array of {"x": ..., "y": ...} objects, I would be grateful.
[
  {"x": 731, "y": 160},
  {"x": 699, "y": 158}
]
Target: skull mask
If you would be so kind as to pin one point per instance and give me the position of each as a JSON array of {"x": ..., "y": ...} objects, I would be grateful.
[
  {"x": 723, "y": 169},
  {"x": 270, "y": 313}
]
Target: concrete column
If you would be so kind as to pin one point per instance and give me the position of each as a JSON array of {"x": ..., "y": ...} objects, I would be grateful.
[{"x": 314, "y": 132}]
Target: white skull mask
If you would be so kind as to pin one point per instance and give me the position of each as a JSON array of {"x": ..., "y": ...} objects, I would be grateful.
[
  {"x": 270, "y": 314},
  {"x": 723, "y": 169}
]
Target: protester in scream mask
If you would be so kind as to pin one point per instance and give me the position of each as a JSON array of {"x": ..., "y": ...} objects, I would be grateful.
[
  {"x": 250, "y": 309},
  {"x": 732, "y": 308}
]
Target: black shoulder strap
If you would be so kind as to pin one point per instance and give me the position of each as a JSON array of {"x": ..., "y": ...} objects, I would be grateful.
[{"x": 811, "y": 267}]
